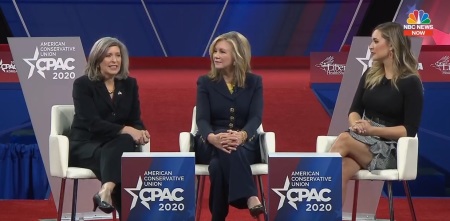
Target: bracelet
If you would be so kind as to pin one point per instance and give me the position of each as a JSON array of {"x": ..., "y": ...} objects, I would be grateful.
[{"x": 244, "y": 136}]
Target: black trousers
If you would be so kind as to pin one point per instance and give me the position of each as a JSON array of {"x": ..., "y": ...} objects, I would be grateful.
[
  {"x": 106, "y": 163},
  {"x": 231, "y": 177}
]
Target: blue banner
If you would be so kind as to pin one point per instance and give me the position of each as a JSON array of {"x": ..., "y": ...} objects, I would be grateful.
[
  {"x": 158, "y": 186},
  {"x": 305, "y": 186}
]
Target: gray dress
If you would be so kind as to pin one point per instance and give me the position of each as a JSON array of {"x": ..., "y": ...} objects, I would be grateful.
[{"x": 384, "y": 151}]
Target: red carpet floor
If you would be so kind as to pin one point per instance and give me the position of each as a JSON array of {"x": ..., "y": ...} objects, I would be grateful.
[
  {"x": 426, "y": 210},
  {"x": 290, "y": 110}
]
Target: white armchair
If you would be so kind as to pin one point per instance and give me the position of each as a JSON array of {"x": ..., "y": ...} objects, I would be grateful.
[
  {"x": 267, "y": 142},
  {"x": 407, "y": 155},
  {"x": 61, "y": 120}
]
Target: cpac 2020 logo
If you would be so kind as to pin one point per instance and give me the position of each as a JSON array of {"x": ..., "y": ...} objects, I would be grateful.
[
  {"x": 146, "y": 195},
  {"x": 295, "y": 195},
  {"x": 61, "y": 68}
]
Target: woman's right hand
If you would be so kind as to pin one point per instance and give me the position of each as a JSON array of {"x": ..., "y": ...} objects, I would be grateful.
[
  {"x": 138, "y": 135},
  {"x": 220, "y": 141},
  {"x": 360, "y": 127}
]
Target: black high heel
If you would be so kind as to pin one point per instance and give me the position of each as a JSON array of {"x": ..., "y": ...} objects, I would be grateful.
[
  {"x": 102, "y": 205},
  {"x": 257, "y": 210}
]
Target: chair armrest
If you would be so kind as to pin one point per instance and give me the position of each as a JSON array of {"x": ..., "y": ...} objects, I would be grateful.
[
  {"x": 185, "y": 141},
  {"x": 407, "y": 154},
  {"x": 324, "y": 143},
  {"x": 58, "y": 155},
  {"x": 267, "y": 145},
  {"x": 146, "y": 147}
]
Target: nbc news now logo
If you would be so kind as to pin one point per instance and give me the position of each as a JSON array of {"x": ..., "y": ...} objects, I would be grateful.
[{"x": 419, "y": 24}]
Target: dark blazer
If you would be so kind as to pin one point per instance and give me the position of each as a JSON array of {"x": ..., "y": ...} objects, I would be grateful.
[
  {"x": 218, "y": 110},
  {"x": 98, "y": 118}
]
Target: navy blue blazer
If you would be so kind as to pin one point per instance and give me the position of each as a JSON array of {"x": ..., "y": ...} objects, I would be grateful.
[
  {"x": 218, "y": 110},
  {"x": 98, "y": 118}
]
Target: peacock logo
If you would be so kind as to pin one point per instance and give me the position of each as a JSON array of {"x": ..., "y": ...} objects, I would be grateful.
[
  {"x": 418, "y": 17},
  {"x": 418, "y": 24}
]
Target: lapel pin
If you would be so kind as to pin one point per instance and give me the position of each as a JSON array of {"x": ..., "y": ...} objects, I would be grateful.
[{"x": 119, "y": 93}]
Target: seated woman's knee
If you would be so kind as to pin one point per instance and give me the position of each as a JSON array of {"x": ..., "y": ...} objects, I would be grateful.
[
  {"x": 126, "y": 138},
  {"x": 341, "y": 144},
  {"x": 127, "y": 142}
]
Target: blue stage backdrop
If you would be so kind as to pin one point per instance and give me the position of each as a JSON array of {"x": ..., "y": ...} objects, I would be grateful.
[{"x": 184, "y": 28}]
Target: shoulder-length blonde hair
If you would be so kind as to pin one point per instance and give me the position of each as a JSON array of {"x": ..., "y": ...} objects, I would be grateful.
[
  {"x": 98, "y": 53},
  {"x": 404, "y": 62},
  {"x": 241, "y": 55}
]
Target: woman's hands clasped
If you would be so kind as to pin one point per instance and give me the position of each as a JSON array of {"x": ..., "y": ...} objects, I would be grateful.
[
  {"x": 227, "y": 141},
  {"x": 141, "y": 137},
  {"x": 362, "y": 127}
]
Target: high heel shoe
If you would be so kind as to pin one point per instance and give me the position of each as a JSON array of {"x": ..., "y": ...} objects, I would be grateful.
[
  {"x": 102, "y": 205},
  {"x": 257, "y": 210}
]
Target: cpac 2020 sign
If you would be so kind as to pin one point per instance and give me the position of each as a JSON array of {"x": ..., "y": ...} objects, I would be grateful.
[{"x": 305, "y": 186}]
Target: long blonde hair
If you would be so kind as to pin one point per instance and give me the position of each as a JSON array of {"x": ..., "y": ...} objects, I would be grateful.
[
  {"x": 241, "y": 55},
  {"x": 404, "y": 62}
]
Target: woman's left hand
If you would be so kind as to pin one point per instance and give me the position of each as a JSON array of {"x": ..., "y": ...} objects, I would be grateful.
[
  {"x": 235, "y": 139},
  {"x": 363, "y": 127}
]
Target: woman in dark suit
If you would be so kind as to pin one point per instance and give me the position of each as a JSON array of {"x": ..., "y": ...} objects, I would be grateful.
[
  {"x": 229, "y": 111},
  {"x": 107, "y": 119}
]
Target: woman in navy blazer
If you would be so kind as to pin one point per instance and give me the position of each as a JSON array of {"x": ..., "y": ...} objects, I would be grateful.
[
  {"x": 229, "y": 111},
  {"x": 107, "y": 119}
]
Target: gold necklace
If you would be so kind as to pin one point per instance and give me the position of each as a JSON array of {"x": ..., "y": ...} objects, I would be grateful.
[{"x": 113, "y": 88}]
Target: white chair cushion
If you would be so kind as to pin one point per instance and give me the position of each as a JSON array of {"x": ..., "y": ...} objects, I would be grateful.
[
  {"x": 391, "y": 174},
  {"x": 201, "y": 170},
  {"x": 80, "y": 173},
  {"x": 260, "y": 169},
  {"x": 257, "y": 169}
]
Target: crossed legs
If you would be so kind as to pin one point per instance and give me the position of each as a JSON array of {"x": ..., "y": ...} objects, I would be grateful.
[{"x": 355, "y": 155}]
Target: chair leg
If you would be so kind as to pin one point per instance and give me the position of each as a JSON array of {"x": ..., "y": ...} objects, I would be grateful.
[
  {"x": 61, "y": 198},
  {"x": 255, "y": 179},
  {"x": 200, "y": 190},
  {"x": 74, "y": 199},
  {"x": 408, "y": 195},
  {"x": 391, "y": 201},
  {"x": 263, "y": 198},
  {"x": 114, "y": 216},
  {"x": 355, "y": 200},
  {"x": 196, "y": 184}
]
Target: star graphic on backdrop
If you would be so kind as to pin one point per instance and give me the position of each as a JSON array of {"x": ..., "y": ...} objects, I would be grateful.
[
  {"x": 365, "y": 61},
  {"x": 411, "y": 9},
  {"x": 282, "y": 196},
  {"x": 132, "y": 192},
  {"x": 33, "y": 64}
]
